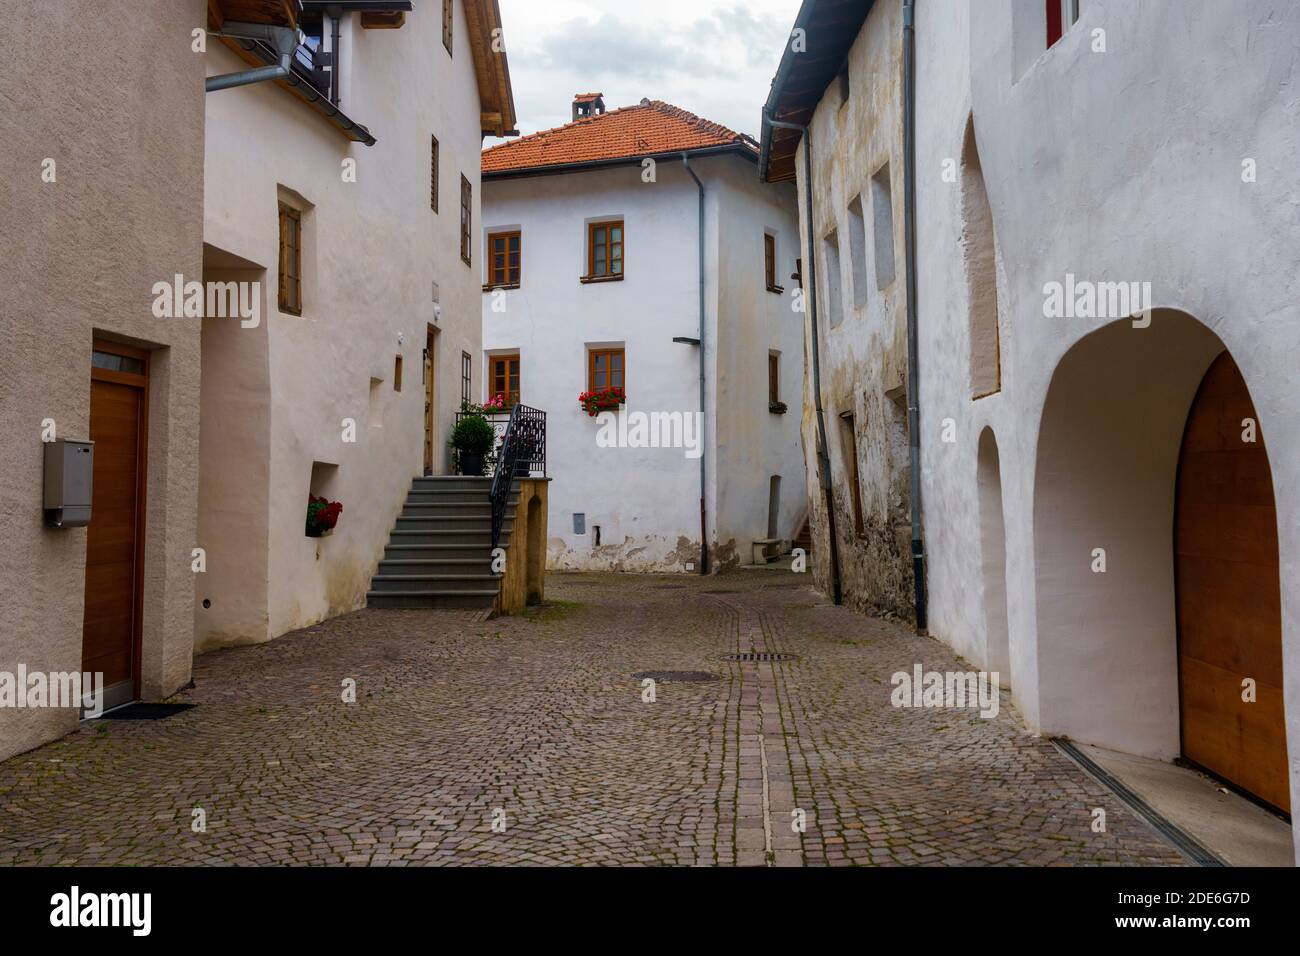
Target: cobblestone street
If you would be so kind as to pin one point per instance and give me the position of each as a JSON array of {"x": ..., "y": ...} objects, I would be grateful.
[{"x": 537, "y": 721}]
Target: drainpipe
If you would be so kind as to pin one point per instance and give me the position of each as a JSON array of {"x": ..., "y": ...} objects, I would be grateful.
[
  {"x": 284, "y": 39},
  {"x": 336, "y": 17},
  {"x": 704, "y": 523},
  {"x": 913, "y": 375},
  {"x": 810, "y": 270}
]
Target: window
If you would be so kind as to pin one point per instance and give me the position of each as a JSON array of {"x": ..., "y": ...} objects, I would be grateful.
[
  {"x": 397, "y": 374},
  {"x": 605, "y": 250},
  {"x": 504, "y": 377},
  {"x": 605, "y": 369},
  {"x": 858, "y": 252},
  {"x": 769, "y": 263},
  {"x": 882, "y": 223},
  {"x": 448, "y": 8},
  {"x": 466, "y": 367},
  {"x": 433, "y": 173},
  {"x": 773, "y": 378},
  {"x": 834, "y": 301},
  {"x": 466, "y": 211},
  {"x": 503, "y": 258},
  {"x": 290, "y": 260},
  {"x": 1061, "y": 15},
  {"x": 851, "y": 453}
]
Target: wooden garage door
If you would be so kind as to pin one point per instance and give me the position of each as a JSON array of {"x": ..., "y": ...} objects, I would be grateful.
[
  {"x": 1229, "y": 602},
  {"x": 114, "y": 546}
]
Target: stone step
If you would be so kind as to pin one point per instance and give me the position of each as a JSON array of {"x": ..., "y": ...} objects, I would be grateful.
[
  {"x": 435, "y": 565},
  {"x": 444, "y": 523},
  {"x": 402, "y": 550},
  {"x": 442, "y": 509},
  {"x": 431, "y": 599},
  {"x": 434, "y": 582}
]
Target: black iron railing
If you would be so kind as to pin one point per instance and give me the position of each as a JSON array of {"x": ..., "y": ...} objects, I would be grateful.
[{"x": 520, "y": 454}]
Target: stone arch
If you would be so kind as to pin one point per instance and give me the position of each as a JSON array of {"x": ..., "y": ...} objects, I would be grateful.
[
  {"x": 993, "y": 558},
  {"x": 1105, "y": 483}
]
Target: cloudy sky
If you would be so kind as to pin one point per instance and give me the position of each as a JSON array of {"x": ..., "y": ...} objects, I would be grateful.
[{"x": 715, "y": 58}]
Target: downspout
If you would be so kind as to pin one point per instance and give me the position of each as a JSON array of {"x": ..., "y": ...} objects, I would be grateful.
[
  {"x": 284, "y": 39},
  {"x": 810, "y": 270},
  {"x": 336, "y": 16},
  {"x": 704, "y": 522},
  {"x": 913, "y": 375}
]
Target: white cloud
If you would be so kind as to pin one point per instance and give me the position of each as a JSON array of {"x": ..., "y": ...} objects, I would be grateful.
[{"x": 715, "y": 58}]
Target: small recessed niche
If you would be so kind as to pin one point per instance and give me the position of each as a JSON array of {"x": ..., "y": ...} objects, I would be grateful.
[
  {"x": 324, "y": 479},
  {"x": 397, "y": 374},
  {"x": 375, "y": 415}
]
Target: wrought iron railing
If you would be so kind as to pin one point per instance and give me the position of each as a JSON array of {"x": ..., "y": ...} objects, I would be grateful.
[{"x": 521, "y": 453}]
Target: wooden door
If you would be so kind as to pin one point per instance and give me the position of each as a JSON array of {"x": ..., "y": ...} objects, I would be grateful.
[
  {"x": 428, "y": 400},
  {"x": 115, "y": 537},
  {"x": 1228, "y": 592}
]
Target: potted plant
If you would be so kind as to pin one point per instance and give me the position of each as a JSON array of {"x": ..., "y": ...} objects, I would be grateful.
[
  {"x": 472, "y": 438},
  {"x": 604, "y": 399},
  {"x": 322, "y": 515}
]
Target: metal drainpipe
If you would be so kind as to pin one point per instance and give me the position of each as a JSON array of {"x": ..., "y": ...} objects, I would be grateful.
[
  {"x": 284, "y": 39},
  {"x": 810, "y": 270},
  {"x": 704, "y": 524},
  {"x": 336, "y": 17},
  {"x": 913, "y": 364}
]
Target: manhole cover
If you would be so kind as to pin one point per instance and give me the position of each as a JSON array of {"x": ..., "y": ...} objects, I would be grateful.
[
  {"x": 760, "y": 656},
  {"x": 677, "y": 677}
]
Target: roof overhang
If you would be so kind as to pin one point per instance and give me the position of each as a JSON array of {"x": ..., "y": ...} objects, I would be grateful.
[
  {"x": 829, "y": 29},
  {"x": 739, "y": 149},
  {"x": 280, "y": 13},
  {"x": 491, "y": 68}
]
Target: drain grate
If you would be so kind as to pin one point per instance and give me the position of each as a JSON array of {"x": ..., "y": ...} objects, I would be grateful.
[
  {"x": 677, "y": 677},
  {"x": 146, "y": 711},
  {"x": 765, "y": 657}
]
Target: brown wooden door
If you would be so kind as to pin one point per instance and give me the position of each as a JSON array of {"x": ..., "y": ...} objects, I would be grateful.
[
  {"x": 428, "y": 401},
  {"x": 1229, "y": 599},
  {"x": 114, "y": 539}
]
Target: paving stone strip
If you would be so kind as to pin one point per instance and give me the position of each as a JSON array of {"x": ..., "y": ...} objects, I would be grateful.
[{"x": 526, "y": 741}]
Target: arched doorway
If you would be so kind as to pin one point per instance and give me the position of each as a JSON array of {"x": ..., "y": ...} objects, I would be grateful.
[
  {"x": 1229, "y": 598},
  {"x": 993, "y": 556}
]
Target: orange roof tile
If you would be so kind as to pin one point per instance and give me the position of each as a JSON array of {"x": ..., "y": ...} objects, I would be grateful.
[{"x": 650, "y": 128}]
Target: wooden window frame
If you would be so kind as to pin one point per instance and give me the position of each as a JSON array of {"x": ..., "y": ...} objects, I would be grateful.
[
  {"x": 512, "y": 397},
  {"x": 609, "y": 275},
  {"x": 466, "y": 376},
  {"x": 466, "y": 220},
  {"x": 433, "y": 172},
  {"x": 448, "y": 21},
  {"x": 769, "y": 264},
  {"x": 290, "y": 259},
  {"x": 774, "y": 378},
  {"x": 609, "y": 354},
  {"x": 501, "y": 279}
]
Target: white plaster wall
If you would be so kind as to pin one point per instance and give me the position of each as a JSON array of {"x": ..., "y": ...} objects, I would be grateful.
[
  {"x": 646, "y": 500},
  {"x": 1123, "y": 165},
  {"x": 117, "y": 103},
  {"x": 374, "y": 251}
]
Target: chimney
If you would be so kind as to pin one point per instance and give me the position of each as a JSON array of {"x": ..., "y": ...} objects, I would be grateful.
[{"x": 588, "y": 104}]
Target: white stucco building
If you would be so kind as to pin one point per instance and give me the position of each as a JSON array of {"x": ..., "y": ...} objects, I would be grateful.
[
  {"x": 593, "y": 267},
  {"x": 1111, "y": 509},
  {"x": 350, "y": 193}
]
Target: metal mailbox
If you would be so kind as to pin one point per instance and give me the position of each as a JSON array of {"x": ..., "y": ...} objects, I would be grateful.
[{"x": 69, "y": 473}]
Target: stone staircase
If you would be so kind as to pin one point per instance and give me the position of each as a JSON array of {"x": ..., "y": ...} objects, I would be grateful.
[
  {"x": 804, "y": 537},
  {"x": 440, "y": 553}
]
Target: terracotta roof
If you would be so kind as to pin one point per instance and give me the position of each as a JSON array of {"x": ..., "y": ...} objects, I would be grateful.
[{"x": 648, "y": 129}]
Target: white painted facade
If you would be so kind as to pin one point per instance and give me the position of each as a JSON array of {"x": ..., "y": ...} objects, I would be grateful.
[
  {"x": 380, "y": 267},
  {"x": 646, "y": 501},
  {"x": 1119, "y": 165}
]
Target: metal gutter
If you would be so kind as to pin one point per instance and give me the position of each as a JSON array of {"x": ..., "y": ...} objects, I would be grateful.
[
  {"x": 704, "y": 524},
  {"x": 810, "y": 270},
  {"x": 284, "y": 40},
  {"x": 739, "y": 149},
  {"x": 913, "y": 348},
  {"x": 315, "y": 99}
]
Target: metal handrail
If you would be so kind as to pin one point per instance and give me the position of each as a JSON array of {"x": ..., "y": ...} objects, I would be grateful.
[{"x": 522, "y": 452}]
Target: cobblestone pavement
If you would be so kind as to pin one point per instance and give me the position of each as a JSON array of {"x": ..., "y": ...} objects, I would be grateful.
[{"x": 537, "y": 722}]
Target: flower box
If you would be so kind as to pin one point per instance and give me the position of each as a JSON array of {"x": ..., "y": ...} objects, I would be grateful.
[
  {"x": 322, "y": 516},
  {"x": 602, "y": 400}
]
